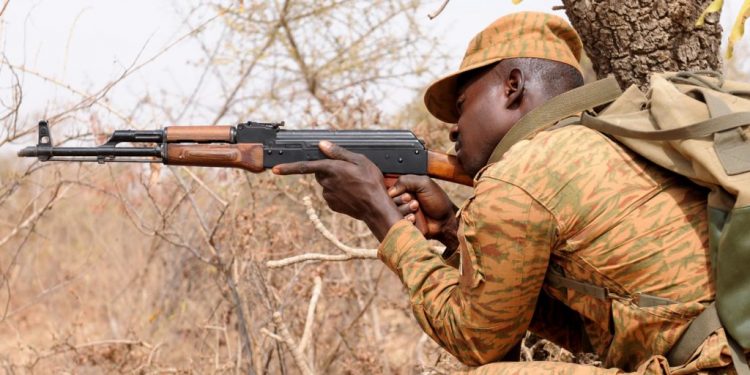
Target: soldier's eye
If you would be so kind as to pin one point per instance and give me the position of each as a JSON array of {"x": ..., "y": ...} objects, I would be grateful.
[{"x": 460, "y": 104}]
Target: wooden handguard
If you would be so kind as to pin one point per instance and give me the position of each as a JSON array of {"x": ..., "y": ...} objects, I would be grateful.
[
  {"x": 248, "y": 156},
  {"x": 199, "y": 133},
  {"x": 446, "y": 167}
]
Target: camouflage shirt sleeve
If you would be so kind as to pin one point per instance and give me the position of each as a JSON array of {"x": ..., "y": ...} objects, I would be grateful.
[{"x": 475, "y": 314}]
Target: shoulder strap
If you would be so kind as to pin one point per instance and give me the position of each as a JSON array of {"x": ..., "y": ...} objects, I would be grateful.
[
  {"x": 564, "y": 105},
  {"x": 697, "y": 130},
  {"x": 730, "y": 142},
  {"x": 698, "y": 331}
]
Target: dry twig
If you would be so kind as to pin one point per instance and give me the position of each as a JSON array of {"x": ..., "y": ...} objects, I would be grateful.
[
  {"x": 31, "y": 220},
  {"x": 307, "y": 333},
  {"x": 437, "y": 12},
  {"x": 349, "y": 252},
  {"x": 5, "y": 5},
  {"x": 298, "y": 349}
]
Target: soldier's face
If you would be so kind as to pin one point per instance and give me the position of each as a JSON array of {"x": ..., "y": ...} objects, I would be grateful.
[{"x": 486, "y": 113}]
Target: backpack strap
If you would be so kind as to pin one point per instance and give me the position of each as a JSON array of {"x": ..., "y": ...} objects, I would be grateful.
[
  {"x": 557, "y": 280},
  {"x": 697, "y": 130},
  {"x": 700, "y": 328},
  {"x": 697, "y": 332},
  {"x": 698, "y": 78},
  {"x": 564, "y": 105},
  {"x": 739, "y": 358},
  {"x": 730, "y": 142}
]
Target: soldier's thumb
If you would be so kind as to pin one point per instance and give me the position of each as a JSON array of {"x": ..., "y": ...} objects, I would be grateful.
[{"x": 408, "y": 183}]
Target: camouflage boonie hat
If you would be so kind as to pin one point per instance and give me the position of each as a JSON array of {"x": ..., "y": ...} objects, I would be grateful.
[{"x": 525, "y": 34}]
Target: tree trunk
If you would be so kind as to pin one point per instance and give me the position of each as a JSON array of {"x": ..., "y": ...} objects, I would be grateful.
[{"x": 632, "y": 38}]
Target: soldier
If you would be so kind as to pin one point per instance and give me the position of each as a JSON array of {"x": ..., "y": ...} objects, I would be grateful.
[{"x": 570, "y": 235}]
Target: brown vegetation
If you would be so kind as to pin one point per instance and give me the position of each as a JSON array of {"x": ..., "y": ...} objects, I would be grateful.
[
  {"x": 151, "y": 269},
  {"x": 143, "y": 268}
]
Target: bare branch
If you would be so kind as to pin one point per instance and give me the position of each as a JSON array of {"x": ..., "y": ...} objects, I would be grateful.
[
  {"x": 5, "y": 5},
  {"x": 151, "y": 356},
  {"x": 307, "y": 333},
  {"x": 242, "y": 321},
  {"x": 204, "y": 186},
  {"x": 43, "y": 294},
  {"x": 271, "y": 334},
  {"x": 286, "y": 337},
  {"x": 204, "y": 227},
  {"x": 258, "y": 56},
  {"x": 88, "y": 100},
  {"x": 437, "y": 12},
  {"x": 364, "y": 253},
  {"x": 349, "y": 252},
  {"x": 115, "y": 342},
  {"x": 31, "y": 220}
]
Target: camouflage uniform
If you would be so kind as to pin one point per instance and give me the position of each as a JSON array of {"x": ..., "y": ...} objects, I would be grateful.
[{"x": 570, "y": 198}]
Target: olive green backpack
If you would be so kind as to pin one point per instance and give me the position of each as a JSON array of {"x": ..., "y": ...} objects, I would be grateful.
[{"x": 697, "y": 125}]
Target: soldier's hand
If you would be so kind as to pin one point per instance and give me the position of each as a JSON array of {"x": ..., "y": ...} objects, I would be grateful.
[
  {"x": 414, "y": 193},
  {"x": 352, "y": 185}
]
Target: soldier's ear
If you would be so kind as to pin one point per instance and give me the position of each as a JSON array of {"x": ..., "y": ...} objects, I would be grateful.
[{"x": 514, "y": 88}]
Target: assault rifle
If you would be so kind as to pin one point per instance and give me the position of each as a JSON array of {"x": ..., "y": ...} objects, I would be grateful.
[{"x": 256, "y": 146}]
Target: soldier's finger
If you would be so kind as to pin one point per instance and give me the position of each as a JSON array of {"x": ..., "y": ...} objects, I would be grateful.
[
  {"x": 403, "y": 198},
  {"x": 397, "y": 189},
  {"x": 404, "y": 209},
  {"x": 414, "y": 182},
  {"x": 337, "y": 152},
  {"x": 408, "y": 208},
  {"x": 302, "y": 167},
  {"x": 408, "y": 182}
]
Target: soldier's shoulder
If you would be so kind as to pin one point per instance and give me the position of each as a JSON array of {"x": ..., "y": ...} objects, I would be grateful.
[{"x": 560, "y": 151}]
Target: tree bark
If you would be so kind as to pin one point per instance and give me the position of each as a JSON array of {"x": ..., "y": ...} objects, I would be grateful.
[{"x": 632, "y": 38}]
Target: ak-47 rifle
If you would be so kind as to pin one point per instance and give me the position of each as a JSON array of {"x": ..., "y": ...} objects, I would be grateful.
[{"x": 256, "y": 146}]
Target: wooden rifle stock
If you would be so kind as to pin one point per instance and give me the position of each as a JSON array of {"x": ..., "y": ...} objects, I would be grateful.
[{"x": 446, "y": 167}]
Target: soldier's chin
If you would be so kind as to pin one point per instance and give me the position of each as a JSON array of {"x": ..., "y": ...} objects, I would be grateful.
[
  {"x": 460, "y": 157},
  {"x": 466, "y": 164}
]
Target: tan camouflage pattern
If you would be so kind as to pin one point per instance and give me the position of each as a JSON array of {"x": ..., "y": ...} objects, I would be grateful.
[
  {"x": 575, "y": 199},
  {"x": 525, "y": 34}
]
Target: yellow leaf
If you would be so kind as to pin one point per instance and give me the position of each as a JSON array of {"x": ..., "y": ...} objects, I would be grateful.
[
  {"x": 739, "y": 27},
  {"x": 154, "y": 316},
  {"x": 516, "y": 2},
  {"x": 714, "y": 7}
]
